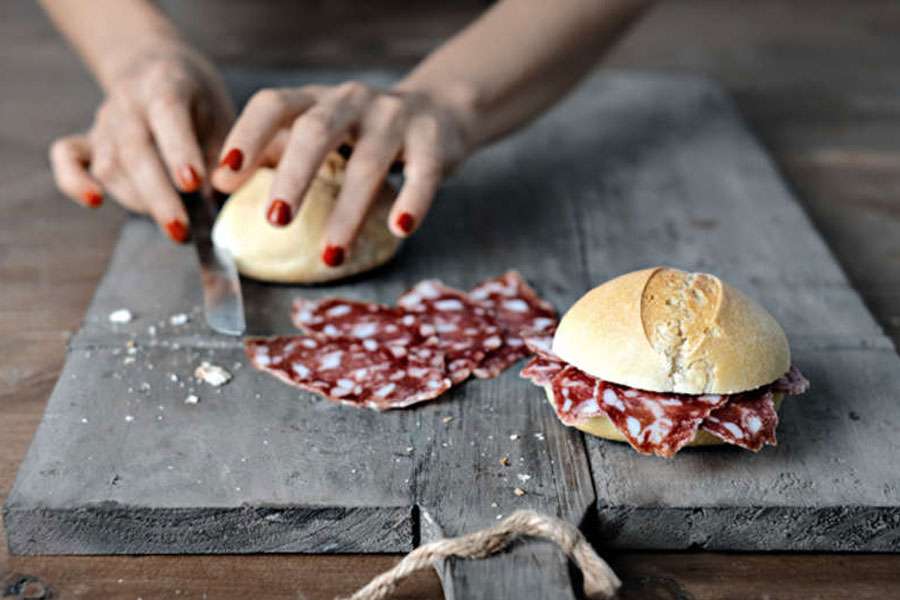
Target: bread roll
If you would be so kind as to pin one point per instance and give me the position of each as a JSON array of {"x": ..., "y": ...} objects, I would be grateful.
[
  {"x": 292, "y": 254},
  {"x": 666, "y": 330}
]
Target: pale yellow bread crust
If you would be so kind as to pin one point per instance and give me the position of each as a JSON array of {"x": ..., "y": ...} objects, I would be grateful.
[
  {"x": 602, "y": 427},
  {"x": 666, "y": 330},
  {"x": 292, "y": 254}
]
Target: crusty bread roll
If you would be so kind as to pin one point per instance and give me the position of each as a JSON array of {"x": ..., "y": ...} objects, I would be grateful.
[
  {"x": 602, "y": 427},
  {"x": 292, "y": 254},
  {"x": 665, "y": 330}
]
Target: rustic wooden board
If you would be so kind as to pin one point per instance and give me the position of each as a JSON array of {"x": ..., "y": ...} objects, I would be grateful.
[{"x": 633, "y": 170}]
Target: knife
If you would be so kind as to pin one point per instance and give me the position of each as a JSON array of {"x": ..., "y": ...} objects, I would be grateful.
[{"x": 222, "y": 301}]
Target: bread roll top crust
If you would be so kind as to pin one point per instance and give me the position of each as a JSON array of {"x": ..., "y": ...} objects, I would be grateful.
[
  {"x": 292, "y": 254},
  {"x": 667, "y": 330}
]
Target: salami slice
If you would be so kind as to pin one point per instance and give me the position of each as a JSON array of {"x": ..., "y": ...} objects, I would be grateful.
[
  {"x": 464, "y": 330},
  {"x": 340, "y": 318},
  {"x": 362, "y": 373},
  {"x": 519, "y": 312},
  {"x": 656, "y": 423},
  {"x": 541, "y": 370},
  {"x": 746, "y": 420}
]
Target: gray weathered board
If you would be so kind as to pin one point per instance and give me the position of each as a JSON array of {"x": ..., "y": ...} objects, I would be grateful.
[{"x": 633, "y": 170}]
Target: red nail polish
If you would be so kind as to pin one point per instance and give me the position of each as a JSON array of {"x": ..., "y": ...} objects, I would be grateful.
[
  {"x": 279, "y": 213},
  {"x": 177, "y": 230},
  {"x": 406, "y": 222},
  {"x": 188, "y": 179},
  {"x": 333, "y": 256},
  {"x": 93, "y": 199},
  {"x": 233, "y": 159}
]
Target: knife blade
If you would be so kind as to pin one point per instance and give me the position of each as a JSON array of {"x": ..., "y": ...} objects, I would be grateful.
[{"x": 223, "y": 304}]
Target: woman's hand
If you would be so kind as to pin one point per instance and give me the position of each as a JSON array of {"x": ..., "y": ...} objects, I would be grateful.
[
  {"x": 163, "y": 120},
  {"x": 298, "y": 127}
]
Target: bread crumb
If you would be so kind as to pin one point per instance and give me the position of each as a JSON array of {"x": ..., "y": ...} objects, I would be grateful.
[
  {"x": 519, "y": 491},
  {"x": 514, "y": 437},
  {"x": 121, "y": 316},
  {"x": 504, "y": 460},
  {"x": 446, "y": 420},
  {"x": 192, "y": 399},
  {"x": 212, "y": 374},
  {"x": 179, "y": 319}
]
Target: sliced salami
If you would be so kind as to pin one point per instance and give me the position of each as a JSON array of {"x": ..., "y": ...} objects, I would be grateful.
[
  {"x": 519, "y": 312},
  {"x": 465, "y": 331},
  {"x": 339, "y": 318},
  {"x": 746, "y": 420},
  {"x": 541, "y": 370},
  {"x": 656, "y": 423},
  {"x": 362, "y": 373}
]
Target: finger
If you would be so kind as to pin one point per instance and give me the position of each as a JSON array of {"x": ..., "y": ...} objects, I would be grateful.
[
  {"x": 267, "y": 112},
  {"x": 173, "y": 129},
  {"x": 314, "y": 134},
  {"x": 148, "y": 177},
  {"x": 69, "y": 159},
  {"x": 423, "y": 172},
  {"x": 105, "y": 165},
  {"x": 379, "y": 144}
]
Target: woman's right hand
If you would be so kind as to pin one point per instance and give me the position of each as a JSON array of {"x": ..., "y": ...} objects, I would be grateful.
[{"x": 164, "y": 119}]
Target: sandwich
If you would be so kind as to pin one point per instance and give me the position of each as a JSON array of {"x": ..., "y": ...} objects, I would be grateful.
[{"x": 664, "y": 359}]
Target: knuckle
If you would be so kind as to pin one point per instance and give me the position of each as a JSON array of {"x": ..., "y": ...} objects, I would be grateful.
[
  {"x": 367, "y": 167},
  {"x": 390, "y": 109},
  {"x": 103, "y": 168},
  {"x": 269, "y": 98},
  {"x": 316, "y": 124},
  {"x": 352, "y": 90}
]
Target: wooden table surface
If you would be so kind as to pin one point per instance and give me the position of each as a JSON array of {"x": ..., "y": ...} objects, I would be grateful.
[{"x": 818, "y": 83}]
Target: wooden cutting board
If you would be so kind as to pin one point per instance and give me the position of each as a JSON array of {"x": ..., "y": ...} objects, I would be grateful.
[{"x": 632, "y": 171}]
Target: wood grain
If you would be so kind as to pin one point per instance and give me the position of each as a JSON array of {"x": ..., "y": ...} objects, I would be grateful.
[{"x": 812, "y": 77}]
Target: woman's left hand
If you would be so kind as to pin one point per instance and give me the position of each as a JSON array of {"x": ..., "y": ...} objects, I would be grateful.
[{"x": 302, "y": 125}]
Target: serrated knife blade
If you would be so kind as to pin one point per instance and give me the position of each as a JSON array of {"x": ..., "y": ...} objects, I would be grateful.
[{"x": 223, "y": 304}]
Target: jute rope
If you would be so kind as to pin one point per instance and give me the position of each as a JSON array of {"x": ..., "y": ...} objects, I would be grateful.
[{"x": 600, "y": 583}]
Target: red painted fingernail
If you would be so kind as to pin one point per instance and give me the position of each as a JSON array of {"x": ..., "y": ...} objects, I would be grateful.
[
  {"x": 333, "y": 256},
  {"x": 177, "y": 230},
  {"x": 406, "y": 222},
  {"x": 93, "y": 199},
  {"x": 188, "y": 179},
  {"x": 279, "y": 213},
  {"x": 233, "y": 159}
]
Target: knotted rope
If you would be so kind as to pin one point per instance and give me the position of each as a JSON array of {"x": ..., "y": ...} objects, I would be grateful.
[{"x": 600, "y": 583}]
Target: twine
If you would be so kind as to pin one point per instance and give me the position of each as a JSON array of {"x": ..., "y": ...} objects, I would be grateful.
[{"x": 600, "y": 583}]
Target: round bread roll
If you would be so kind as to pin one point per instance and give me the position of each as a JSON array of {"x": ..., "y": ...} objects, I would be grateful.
[
  {"x": 666, "y": 330},
  {"x": 292, "y": 254}
]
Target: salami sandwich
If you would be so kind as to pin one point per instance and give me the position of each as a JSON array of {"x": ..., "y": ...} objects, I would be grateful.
[{"x": 664, "y": 359}]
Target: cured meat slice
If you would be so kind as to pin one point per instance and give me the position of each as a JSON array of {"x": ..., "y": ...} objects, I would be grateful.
[
  {"x": 575, "y": 395},
  {"x": 655, "y": 423},
  {"x": 519, "y": 312},
  {"x": 793, "y": 382},
  {"x": 746, "y": 420},
  {"x": 541, "y": 370},
  {"x": 464, "y": 330},
  {"x": 340, "y": 318},
  {"x": 362, "y": 373}
]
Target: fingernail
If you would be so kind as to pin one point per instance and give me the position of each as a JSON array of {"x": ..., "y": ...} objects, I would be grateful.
[
  {"x": 188, "y": 179},
  {"x": 233, "y": 159},
  {"x": 279, "y": 213},
  {"x": 406, "y": 222},
  {"x": 333, "y": 256},
  {"x": 177, "y": 230},
  {"x": 93, "y": 199}
]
